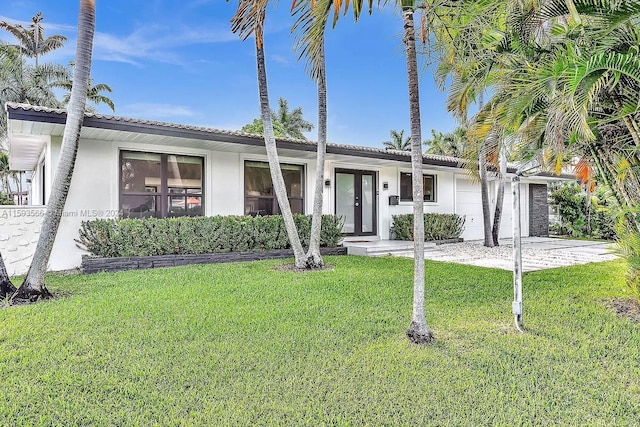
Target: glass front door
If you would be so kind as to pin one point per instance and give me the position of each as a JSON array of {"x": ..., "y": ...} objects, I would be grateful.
[{"x": 356, "y": 201}]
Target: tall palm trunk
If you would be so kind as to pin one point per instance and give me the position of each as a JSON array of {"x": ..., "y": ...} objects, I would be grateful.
[
  {"x": 497, "y": 213},
  {"x": 279, "y": 186},
  {"x": 314, "y": 259},
  {"x": 6, "y": 287},
  {"x": 484, "y": 185},
  {"x": 418, "y": 331},
  {"x": 33, "y": 286},
  {"x": 484, "y": 191}
]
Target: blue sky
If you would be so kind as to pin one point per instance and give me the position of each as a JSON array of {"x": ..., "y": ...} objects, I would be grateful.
[{"x": 178, "y": 61}]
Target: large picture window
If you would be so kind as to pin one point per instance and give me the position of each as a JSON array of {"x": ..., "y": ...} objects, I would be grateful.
[
  {"x": 259, "y": 196},
  {"x": 160, "y": 185},
  {"x": 406, "y": 187}
]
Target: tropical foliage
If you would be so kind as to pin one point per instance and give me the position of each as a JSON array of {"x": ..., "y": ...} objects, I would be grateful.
[
  {"x": 286, "y": 123},
  {"x": 583, "y": 213},
  {"x": 452, "y": 144},
  {"x": 564, "y": 79},
  {"x": 25, "y": 78},
  {"x": 398, "y": 141}
]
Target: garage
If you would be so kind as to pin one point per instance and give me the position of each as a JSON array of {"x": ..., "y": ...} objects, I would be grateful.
[{"x": 469, "y": 205}]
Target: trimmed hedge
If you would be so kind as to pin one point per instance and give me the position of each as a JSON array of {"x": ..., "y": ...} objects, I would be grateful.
[
  {"x": 198, "y": 235},
  {"x": 436, "y": 226}
]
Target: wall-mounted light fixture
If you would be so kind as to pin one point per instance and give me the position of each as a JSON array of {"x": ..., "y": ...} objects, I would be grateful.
[
  {"x": 385, "y": 185},
  {"x": 327, "y": 183}
]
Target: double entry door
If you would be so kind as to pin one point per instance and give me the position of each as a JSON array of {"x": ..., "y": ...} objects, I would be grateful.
[{"x": 356, "y": 201}]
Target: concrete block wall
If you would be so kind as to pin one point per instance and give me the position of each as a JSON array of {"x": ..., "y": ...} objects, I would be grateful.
[{"x": 19, "y": 232}]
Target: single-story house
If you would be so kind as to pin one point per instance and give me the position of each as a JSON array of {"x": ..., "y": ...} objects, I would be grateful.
[{"x": 139, "y": 168}]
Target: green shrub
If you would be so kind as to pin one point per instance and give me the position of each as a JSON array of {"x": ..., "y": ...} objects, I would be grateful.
[
  {"x": 628, "y": 239},
  {"x": 579, "y": 218},
  {"x": 436, "y": 226},
  {"x": 198, "y": 235},
  {"x": 5, "y": 199}
]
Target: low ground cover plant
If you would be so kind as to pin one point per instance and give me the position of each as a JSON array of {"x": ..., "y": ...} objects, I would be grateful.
[
  {"x": 436, "y": 226},
  {"x": 198, "y": 235}
]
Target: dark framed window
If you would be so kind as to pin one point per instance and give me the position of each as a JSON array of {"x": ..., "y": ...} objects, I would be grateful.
[
  {"x": 428, "y": 185},
  {"x": 160, "y": 185},
  {"x": 259, "y": 196}
]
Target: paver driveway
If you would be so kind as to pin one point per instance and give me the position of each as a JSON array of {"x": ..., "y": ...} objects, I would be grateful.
[{"x": 538, "y": 253}]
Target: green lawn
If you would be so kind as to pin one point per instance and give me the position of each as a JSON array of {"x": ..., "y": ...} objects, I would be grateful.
[{"x": 244, "y": 344}]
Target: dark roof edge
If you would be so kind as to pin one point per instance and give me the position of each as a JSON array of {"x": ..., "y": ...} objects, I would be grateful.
[{"x": 48, "y": 115}]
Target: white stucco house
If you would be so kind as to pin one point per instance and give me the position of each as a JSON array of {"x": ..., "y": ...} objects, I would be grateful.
[{"x": 137, "y": 168}]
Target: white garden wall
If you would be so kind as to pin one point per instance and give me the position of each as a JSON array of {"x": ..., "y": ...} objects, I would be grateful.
[{"x": 19, "y": 232}]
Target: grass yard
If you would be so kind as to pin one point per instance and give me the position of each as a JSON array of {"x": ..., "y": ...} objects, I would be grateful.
[{"x": 242, "y": 344}]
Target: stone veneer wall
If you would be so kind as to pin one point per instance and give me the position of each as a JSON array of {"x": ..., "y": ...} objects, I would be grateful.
[
  {"x": 19, "y": 231},
  {"x": 538, "y": 210}
]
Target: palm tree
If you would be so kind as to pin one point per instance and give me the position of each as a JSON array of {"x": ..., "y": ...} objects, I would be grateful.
[
  {"x": 398, "y": 141},
  {"x": 418, "y": 331},
  {"x": 95, "y": 92},
  {"x": 286, "y": 123},
  {"x": 313, "y": 50},
  {"x": 33, "y": 286},
  {"x": 249, "y": 20},
  {"x": 451, "y": 144},
  {"x": 293, "y": 122},
  {"x": 6, "y": 287},
  {"x": 32, "y": 43},
  {"x": 22, "y": 82}
]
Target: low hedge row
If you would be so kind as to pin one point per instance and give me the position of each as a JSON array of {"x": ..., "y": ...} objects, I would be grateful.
[
  {"x": 436, "y": 226},
  {"x": 198, "y": 235}
]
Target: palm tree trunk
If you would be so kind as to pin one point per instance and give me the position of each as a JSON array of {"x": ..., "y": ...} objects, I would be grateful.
[
  {"x": 279, "y": 186},
  {"x": 418, "y": 331},
  {"x": 314, "y": 259},
  {"x": 6, "y": 287},
  {"x": 497, "y": 215},
  {"x": 484, "y": 191},
  {"x": 484, "y": 185},
  {"x": 33, "y": 286}
]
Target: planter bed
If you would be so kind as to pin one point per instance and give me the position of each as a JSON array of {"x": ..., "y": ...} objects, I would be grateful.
[{"x": 92, "y": 264}]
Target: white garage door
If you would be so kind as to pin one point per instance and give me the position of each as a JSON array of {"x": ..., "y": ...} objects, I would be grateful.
[{"x": 469, "y": 205}]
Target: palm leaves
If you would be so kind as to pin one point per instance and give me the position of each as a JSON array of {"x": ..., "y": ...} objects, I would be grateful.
[
  {"x": 398, "y": 141},
  {"x": 31, "y": 40}
]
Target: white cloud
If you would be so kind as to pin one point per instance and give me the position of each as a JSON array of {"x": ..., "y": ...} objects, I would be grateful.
[
  {"x": 155, "y": 43},
  {"x": 155, "y": 111},
  {"x": 148, "y": 42}
]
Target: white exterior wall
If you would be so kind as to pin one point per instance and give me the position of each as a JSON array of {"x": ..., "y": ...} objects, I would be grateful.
[{"x": 94, "y": 192}]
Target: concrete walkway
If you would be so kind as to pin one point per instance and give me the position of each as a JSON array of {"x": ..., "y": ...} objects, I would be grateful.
[{"x": 538, "y": 253}]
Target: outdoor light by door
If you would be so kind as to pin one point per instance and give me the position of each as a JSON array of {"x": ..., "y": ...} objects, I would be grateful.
[{"x": 327, "y": 183}]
